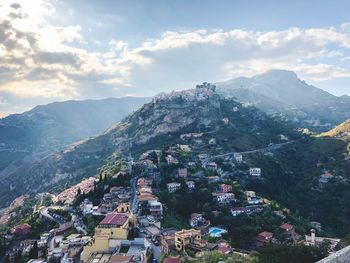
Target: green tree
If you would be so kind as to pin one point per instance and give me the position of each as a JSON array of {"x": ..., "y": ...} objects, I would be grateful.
[
  {"x": 18, "y": 257},
  {"x": 6, "y": 259},
  {"x": 293, "y": 253}
]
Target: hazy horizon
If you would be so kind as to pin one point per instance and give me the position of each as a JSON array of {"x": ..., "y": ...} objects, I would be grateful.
[
  {"x": 62, "y": 50},
  {"x": 134, "y": 96}
]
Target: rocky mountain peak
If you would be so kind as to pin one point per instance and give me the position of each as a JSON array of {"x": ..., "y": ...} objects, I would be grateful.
[{"x": 278, "y": 75}]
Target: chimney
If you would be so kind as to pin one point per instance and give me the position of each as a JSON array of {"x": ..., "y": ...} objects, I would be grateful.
[{"x": 313, "y": 236}]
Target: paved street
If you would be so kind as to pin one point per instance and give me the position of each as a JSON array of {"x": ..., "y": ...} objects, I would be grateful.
[
  {"x": 133, "y": 202},
  {"x": 157, "y": 252},
  {"x": 271, "y": 147}
]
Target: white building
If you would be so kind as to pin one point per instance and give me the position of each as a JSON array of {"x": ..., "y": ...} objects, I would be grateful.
[
  {"x": 155, "y": 208},
  {"x": 191, "y": 164},
  {"x": 196, "y": 219},
  {"x": 255, "y": 200},
  {"x": 185, "y": 148},
  {"x": 236, "y": 211},
  {"x": 224, "y": 198},
  {"x": 238, "y": 157},
  {"x": 171, "y": 160},
  {"x": 182, "y": 172},
  {"x": 212, "y": 141},
  {"x": 314, "y": 240},
  {"x": 235, "y": 109},
  {"x": 211, "y": 166},
  {"x": 250, "y": 194},
  {"x": 283, "y": 137},
  {"x": 255, "y": 172},
  {"x": 173, "y": 187},
  {"x": 190, "y": 185},
  {"x": 87, "y": 207}
]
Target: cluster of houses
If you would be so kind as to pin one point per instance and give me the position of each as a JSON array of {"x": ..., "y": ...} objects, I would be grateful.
[
  {"x": 175, "y": 186},
  {"x": 110, "y": 201},
  {"x": 8, "y": 211},
  {"x": 68, "y": 196},
  {"x": 147, "y": 202},
  {"x": 67, "y": 249},
  {"x": 110, "y": 242},
  {"x": 224, "y": 195},
  {"x": 253, "y": 205},
  {"x": 149, "y": 211},
  {"x": 137, "y": 211},
  {"x": 288, "y": 231},
  {"x": 173, "y": 241},
  {"x": 200, "y": 93},
  {"x": 266, "y": 237},
  {"x": 198, "y": 222}
]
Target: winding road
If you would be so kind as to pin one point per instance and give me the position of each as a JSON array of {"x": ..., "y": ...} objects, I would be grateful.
[{"x": 271, "y": 147}]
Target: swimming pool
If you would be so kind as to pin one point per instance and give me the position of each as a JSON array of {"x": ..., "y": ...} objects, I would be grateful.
[{"x": 216, "y": 231}]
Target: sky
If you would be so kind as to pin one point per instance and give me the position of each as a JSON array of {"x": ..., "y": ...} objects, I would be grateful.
[{"x": 56, "y": 50}]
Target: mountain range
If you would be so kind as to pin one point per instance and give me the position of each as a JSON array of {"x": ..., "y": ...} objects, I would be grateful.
[
  {"x": 158, "y": 123},
  {"x": 281, "y": 93},
  {"x": 32, "y": 135},
  {"x": 257, "y": 111}
]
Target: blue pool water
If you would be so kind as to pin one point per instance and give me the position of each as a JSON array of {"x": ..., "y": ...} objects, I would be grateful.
[{"x": 216, "y": 231}]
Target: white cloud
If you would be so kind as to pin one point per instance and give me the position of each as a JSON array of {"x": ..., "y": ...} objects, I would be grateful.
[
  {"x": 42, "y": 60},
  {"x": 334, "y": 53},
  {"x": 345, "y": 27},
  {"x": 52, "y": 88},
  {"x": 178, "y": 58},
  {"x": 319, "y": 72}
]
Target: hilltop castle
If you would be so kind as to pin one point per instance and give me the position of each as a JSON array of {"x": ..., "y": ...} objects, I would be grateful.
[{"x": 200, "y": 93}]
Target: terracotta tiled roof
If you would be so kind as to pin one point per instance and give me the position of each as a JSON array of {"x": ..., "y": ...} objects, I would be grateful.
[
  {"x": 224, "y": 248},
  {"x": 118, "y": 219},
  {"x": 120, "y": 259},
  {"x": 327, "y": 174},
  {"x": 286, "y": 226},
  {"x": 266, "y": 235},
  {"x": 172, "y": 260}
]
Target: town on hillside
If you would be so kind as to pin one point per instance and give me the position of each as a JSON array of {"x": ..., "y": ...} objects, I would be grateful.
[{"x": 187, "y": 202}]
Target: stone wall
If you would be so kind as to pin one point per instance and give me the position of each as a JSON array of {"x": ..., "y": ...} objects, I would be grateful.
[{"x": 341, "y": 256}]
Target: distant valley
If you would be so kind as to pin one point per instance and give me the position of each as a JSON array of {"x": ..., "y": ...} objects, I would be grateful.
[{"x": 32, "y": 135}]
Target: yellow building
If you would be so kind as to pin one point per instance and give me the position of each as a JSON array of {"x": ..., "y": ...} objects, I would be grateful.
[
  {"x": 113, "y": 226},
  {"x": 186, "y": 237}
]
